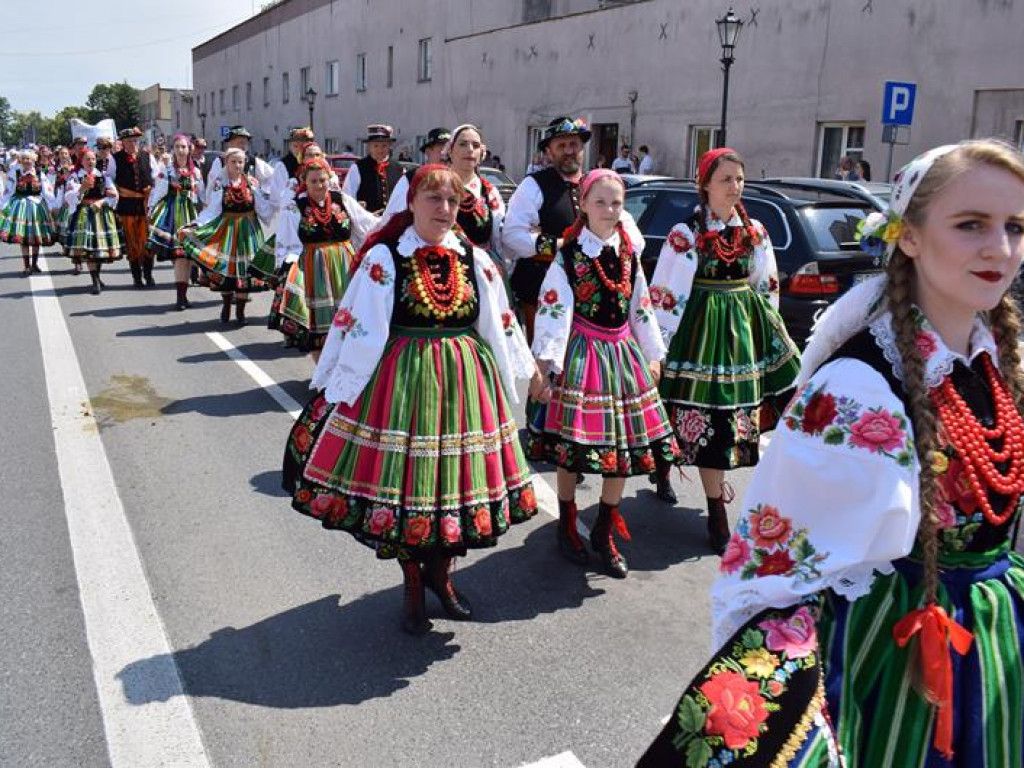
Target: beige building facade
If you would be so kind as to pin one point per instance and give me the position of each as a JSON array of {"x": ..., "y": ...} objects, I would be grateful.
[
  {"x": 806, "y": 87},
  {"x": 165, "y": 111}
]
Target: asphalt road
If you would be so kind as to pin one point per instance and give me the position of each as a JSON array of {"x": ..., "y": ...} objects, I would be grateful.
[{"x": 285, "y": 636}]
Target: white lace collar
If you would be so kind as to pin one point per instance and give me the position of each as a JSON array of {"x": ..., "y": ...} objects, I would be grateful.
[
  {"x": 715, "y": 223},
  {"x": 591, "y": 244},
  {"x": 939, "y": 358},
  {"x": 409, "y": 241}
]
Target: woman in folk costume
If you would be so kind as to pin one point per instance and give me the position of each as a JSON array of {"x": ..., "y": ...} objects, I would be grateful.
[
  {"x": 873, "y": 566},
  {"x": 482, "y": 210},
  {"x": 64, "y": 169},
  {"x": 177, "y": 190},
  {"x": 731, "y": 365},
  {"x": 94, "y": 230},
  {"x": 411, "y": 446},
  {"x": 25, "y": 211},
  {"x": 598, "y": 343},
  {"x": 317, "y": 236},
  {"x": 229, "y": 233}
]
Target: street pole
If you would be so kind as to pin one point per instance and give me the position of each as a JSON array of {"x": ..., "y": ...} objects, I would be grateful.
[
  {"x": 726, "y": 63},
  {"x": 729, "y": 28},
  {"x": 632, "y": 118}
]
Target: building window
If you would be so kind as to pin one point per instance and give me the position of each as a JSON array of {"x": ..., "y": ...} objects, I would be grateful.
[
  {"x": 266, "y": 91},
  {"x": 1018, "y": 135},
  {"x": 222, "y": 102},
  {"x": 285, "y": 94},
  {"x": 199, "y": 105},
  {"x": 424, "y": 68},
  {"x": 330, "y": 146},
  {"x": 331, "y": 78},
  {"x": 836, "y": 141},
  {"x": 248, "y": 96},
  {"x": 702, "y": 138},
  {"x": 360, "y": 71},
  {"x": 234, "y": 97},
  {"x": 391, "y": 65},
  {"x": 211, "y": 105},
  {"x": 266, "y": 147},
  {"x": 304, "y": 80}
]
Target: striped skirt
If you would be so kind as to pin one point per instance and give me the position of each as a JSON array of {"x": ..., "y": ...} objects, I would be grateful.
[
  {"x": 94, "y": 234},
  {"x": 426, "y": 459},
  {"x": 728, "y": 375},
  {"x": 168, "y": 216},
  {"x": 224, "y": 248},
  {"x": 605, "y": 416},
  {"x": 881, "y": 720},
  {"x": 26, "y": 221},
  {"x": 61, "y": 220},
  {"x": 311, "y": 291}
]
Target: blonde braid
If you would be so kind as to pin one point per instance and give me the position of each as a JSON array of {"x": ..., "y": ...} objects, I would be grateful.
[
  {"x": 1006, "y": 327},
  {"x": 922, "y": 414}
]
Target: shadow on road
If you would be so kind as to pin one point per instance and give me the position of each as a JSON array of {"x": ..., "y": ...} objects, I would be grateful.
[
  {"x": 198, "y": 322},
  {"x": 163, "y": 306},
  {"x": 247, "y": 403},
  {"x": 269, "y": 483},
  {"x": 264, "y": 350}
]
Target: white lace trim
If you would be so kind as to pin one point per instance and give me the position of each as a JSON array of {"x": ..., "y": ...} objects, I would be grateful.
[
  {"x": 550, "y": 347},
  {"x": 410, "y": 240},
  {"x": 591, "y": 244},
  {"x": 941, "y": 362}
]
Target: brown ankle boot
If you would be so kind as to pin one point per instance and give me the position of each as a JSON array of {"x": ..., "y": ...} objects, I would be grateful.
[
  {"x": 437, "y": 574},
  {"x": 602, "y": 539},
  {"x": 414, "y": 612},
  {"x": 718, "y": 525}
]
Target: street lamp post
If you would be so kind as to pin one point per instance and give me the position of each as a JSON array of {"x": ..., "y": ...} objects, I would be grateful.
[
  {"x": 202, "y": 123},
  {"x": 729, "y": 27},
  {"x": 311, "y": 101}
]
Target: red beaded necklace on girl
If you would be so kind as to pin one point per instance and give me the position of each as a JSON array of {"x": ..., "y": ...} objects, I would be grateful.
[
  {"x": 443, "y": 297},
  {"x": 625, "y": 284},
  {"x": 321, "y": 213},
  {"x": 972, "y": 441},
  {"x": 740, "y": 242}
]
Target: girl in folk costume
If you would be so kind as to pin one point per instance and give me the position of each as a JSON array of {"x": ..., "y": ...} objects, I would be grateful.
[
  {"x": 873, "y": 565},
  {"x": 598, "y": 342},
  {"x": 229, "y": 232},
  {"x": 173, "y": 201},
  {"x": 64, "y": 169},
  {"x": 317, "y": 233},
  {"x": 94, "y": 231},
  {"x": 411, "y": 446},
  {"x": 25, "y": 211},
  {"x": 731, "y": 365},
  {"x": 482, "y": 210}
]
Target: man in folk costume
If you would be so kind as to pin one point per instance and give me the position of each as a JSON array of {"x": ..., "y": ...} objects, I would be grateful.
[
  {"x": 541, "y": 209},
  {"x": 433, "y": 154},
  {"x": 286, "y": 170},
  {"x": 133, "y": 177},
  {"x": 104, "y": 151},
  {"x": 372, "y": 179}
]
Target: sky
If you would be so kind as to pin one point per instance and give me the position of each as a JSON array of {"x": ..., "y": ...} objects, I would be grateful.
[{"x": 55, "y": 51}]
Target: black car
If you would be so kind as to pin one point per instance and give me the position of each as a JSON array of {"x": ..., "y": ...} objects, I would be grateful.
[{"x": 812, "y": 233}]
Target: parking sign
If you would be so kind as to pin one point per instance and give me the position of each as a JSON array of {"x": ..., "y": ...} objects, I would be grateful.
[
  {"x": 224, "y": 131},
  {"x": 898, "y": 104}
]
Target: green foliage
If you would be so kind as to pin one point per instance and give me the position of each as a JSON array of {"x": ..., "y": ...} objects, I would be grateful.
[{"x": 118, "y": 101}]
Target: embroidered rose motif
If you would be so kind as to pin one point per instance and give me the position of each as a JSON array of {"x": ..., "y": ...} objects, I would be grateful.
[
  {"x": 581, "y": 269},
  {"x": 768, "y": 527},
  {"x": 955, "y": 487},
  {"x": 343, "y": 320},
  {"x": 737, "y": 709},
  {"x": 417, "y": 530},
  {"x": 482, "y": 521},
  {"x": 678, "y": 241},
  {"x": 690, "y": 425},
  {"x": 946, "y": 515},
  {"x": 759, "y": 662},
  {"x": 585, "y": 291},
  {"x": 926, "y": 344},
  {"x": 451, "y": 531},
  {"x": 656, "y": 295},
  {"x": 645, "y": 302},
  {"x": 303, "y": 496},
  {"x": 609, "y": 462},
  {"x": 551, "y": 296},
  {"x": 321, "y": 505},
  {"x": 382, "y": 520},
  {"x": 775, "y": 564},
  {"x": 820, "y": 413},
  {"x": 795, "y": 636},
  {"x": 319, "y": 410},
  {"x": 668, "y": 303},
  {"x": 737, "y": 552},
  {"x": 646, "y": 462},
  {"x": 489, "y": 274},
  {"x": 377, "y": 273},
  {"x": 527, "y": 499},
  {"x": 506, "y": 319},
  {"x": 301, "y": 438},
  {"x": 877, "y": 431}
]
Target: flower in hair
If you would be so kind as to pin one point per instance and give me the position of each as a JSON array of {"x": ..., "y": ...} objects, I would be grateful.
[{"x": 878, "y": 231}]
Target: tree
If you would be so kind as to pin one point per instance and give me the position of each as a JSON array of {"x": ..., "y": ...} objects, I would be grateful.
[
  {"x": 62, "y": 123},
  {"x": 118, "y": 101},
  {"x": 30, "y": 127},
  {"x": 5, "y": 118}
]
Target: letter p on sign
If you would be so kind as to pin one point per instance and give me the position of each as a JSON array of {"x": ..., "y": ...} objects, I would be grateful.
[{"x": 898, "y": 104}]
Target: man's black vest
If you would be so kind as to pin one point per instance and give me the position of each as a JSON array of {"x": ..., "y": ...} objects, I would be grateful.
[
  {"x": 137, "y": 177},
  {"x": 561, "y": 202},
  {"x": 371, "y": 192}
]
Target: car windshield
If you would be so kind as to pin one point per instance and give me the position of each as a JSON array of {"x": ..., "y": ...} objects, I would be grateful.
[
  {"x": 833, "y": 228},
  {"x": 496, "y": 176},
  {"x": 672, "y": 208}
]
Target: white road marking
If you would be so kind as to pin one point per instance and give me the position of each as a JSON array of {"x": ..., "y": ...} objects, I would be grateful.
[
  {"x": 121, "y": 620},
  {"x": 547, "y": 499},
  {"x": 564, "y": 760}
]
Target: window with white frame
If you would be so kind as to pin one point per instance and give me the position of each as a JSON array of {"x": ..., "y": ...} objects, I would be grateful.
[
  {"x": 248, "y": 96},
  {"x": 266, "y": 91},
  {"x": 391, "y": 66},
  {"x": 836, "y": 141},
  {"x": 331, "y": 78},
  {"x": 702, "y": 138},
  {"x": 330, "y": 145},
  {"x": 424, "y": 67},
  {"x": 304, "y": 81},
  {"x": 360, "y": 71},
  {"x": 285, "y": 89}
]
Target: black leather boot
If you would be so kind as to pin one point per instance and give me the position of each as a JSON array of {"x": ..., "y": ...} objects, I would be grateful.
[
  {"x": 569, "y": 542},
  {"x": 181, "y": 289},
  {"x": 718, "y": 525},
  {"x": 662, "y": 480},
  {"x": 225, "y": 310},
  {"x": 95, "y": 291},
  {"x": 602, "y": 539},
  {"x": 240, "y": 311},
  {"x": 136, "y": 274},
  {"x": 147, "y": 271},
  {"x": 99, "y": 270},
  {"x": 414, "y": 612},
  {"x": 437, "y": 573}
]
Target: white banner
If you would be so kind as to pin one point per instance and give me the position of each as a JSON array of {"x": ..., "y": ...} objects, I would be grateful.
[{"x": 80, "y": 128}]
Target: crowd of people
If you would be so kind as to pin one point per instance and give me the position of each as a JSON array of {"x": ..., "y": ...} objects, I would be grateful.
[{"x": 869, "y": 609}]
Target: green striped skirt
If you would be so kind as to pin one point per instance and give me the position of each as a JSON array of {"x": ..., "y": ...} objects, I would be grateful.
[
  {"x": 728, "y": 375},
  {"x": 224, "y": 248},
  {"x": 94, "y": 234},
  {"x": 881, "y": 720},
  {"x": 60, "y": 222},
  {"x": 310, "y": 293},
  {"x": 168, "y": 216},
  {"x": 426, "y": 459},
  {"x": 25, "y": 221}
]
